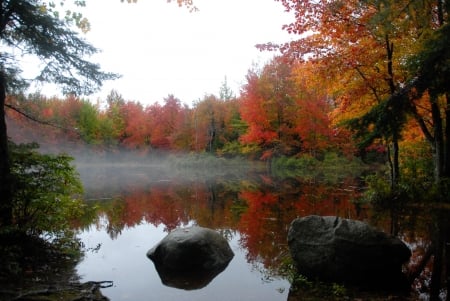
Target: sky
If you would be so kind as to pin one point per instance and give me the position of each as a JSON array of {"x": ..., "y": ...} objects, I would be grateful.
[{"x": 161, "y": 49}]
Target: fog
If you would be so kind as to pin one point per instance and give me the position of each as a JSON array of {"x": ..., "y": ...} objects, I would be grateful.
[{"x": 108, "y": 174}]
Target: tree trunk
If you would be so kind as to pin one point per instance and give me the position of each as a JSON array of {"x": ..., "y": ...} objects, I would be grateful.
[
  {"x": 395, "y": 172},
  {"x": 395, "y": 161},
  {"x": 391, "y": 164},
  {"x": 5, "y": 168},
  {"x": 438, "y": 139},
  {"x": 446, "y": 171},
  {"x": 211, "y": 134}
]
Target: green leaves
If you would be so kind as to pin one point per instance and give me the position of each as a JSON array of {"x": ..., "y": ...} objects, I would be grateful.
[
  {"x": 48, "y": 190},
  {"x": 432, "y": 62},
  {"x": 384, "y": 120}
]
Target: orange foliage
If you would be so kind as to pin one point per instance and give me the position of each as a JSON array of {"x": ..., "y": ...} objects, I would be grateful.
[
  {"x": 136, "y": 132},
  {"x": 314, "y": 125},
  {"x": 286, "y": 110}
]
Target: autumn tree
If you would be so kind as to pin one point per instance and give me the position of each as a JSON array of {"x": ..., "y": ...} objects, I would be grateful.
[
  {"x": 312, "y": 121},
  {"x": 429, "y": 79},
  {"x": 416, "y": 73},
  {"x": 183, "y": 133},
  {"x": 362, "y": 47},
  {"x": 269, "y": 107},
  {"x": 209, "y": 124},
  {"x": 234, "y": 128},
  {"x": 218, "y": 123},
  {"x": 136, "y": 133},
  {"x": 164, "y": 120}
]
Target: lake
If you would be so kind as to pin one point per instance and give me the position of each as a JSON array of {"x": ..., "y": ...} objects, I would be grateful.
[{"x": 133, "y": 206}]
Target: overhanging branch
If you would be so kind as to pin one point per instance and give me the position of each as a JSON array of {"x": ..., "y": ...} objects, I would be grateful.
[{"x": 32, "y": 118}]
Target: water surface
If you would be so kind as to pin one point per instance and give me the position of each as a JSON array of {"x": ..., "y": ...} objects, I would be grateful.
[
  {"x": 132, "y": 209},
  {"x": 123, "y": 261}
]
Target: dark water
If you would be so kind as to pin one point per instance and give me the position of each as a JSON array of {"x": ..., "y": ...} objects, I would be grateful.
[{"x": 134, "y": 208}]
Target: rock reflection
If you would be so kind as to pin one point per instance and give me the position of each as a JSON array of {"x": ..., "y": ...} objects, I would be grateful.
[{"x": 187, "y": 280}]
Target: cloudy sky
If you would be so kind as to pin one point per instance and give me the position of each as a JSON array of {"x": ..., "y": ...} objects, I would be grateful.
[{"x": 161, "y": 49}]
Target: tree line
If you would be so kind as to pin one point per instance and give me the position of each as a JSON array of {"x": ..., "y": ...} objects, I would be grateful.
[
  {"x": 283, "y": 110},
  {"x": 275, "y": 115}
]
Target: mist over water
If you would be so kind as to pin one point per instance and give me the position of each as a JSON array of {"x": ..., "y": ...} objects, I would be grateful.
[
  {"x": 110, "y": 170},
  {"x": 107, "y": 175}
]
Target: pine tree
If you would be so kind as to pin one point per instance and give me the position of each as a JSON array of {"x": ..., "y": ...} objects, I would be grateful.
[{"x": 33, "y": 27}]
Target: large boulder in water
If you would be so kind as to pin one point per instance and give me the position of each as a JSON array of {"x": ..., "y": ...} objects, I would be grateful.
[
  {"x": 189, "y": 258},
  {"x": 343, "y": 250}
]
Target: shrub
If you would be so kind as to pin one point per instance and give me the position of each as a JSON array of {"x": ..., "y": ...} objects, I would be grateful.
[{"x": 47, "y": 191}]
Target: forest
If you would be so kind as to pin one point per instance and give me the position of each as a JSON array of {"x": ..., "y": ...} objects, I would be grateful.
[{"x": 367, "y": 81}]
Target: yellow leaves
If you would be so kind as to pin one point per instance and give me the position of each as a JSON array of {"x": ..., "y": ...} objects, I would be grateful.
[
  {"x": 43, "y": 9},
  {"x": 84, "y": 25},
  {"x": 187, "y": 3}
]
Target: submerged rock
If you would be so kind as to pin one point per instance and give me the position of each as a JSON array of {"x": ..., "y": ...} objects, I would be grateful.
[
  {"x": 343, "y": 250},
  {"x": 189, "y": 258}
]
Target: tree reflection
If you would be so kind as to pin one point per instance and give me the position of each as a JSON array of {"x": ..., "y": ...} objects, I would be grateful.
[
  {"x": 426, "y": 231},
  {"x": 261, "y": 210},
  {"x": 273, "y": 206}
]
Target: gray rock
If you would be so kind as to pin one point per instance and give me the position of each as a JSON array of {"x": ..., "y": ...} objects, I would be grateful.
[
  {"x": 335, "y": 249},
  {"x": 189, "y": 258}
]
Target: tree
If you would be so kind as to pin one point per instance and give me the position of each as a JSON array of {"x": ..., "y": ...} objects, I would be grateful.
[
  {"x": 274, "y": 104},
  {"x": 136, "y": 133},
  {"x": 422, "y": 28},
  {"x": 88, "y": 123},
  {"x": 32, "y": 28},
  {"x": 164, "y": 121},
  {"x": 362, "y": 47},
  {"x": 48, "y": 190},
  {"x": 312, "y": 122},
  {"x": 430, "y": 67},
  {"x": 225, "y": 92},
  {"x": 234, "y": 128},
  {"x": 208, "y": 124}
]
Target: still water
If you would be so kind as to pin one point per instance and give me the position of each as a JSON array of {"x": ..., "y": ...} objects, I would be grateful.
[
  {"x": 123, "y": 261},
  {"x": 134, "y": 208}
]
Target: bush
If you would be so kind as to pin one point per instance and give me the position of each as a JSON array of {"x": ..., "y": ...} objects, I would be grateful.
[
  {"x": 47, "y": 191},
  {"x": 331, "y": 168}
]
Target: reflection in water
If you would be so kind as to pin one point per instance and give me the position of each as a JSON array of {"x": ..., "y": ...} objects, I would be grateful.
[
  {"x": 427, "y": 231},
  {"x": 188, "y": 280},
  {"x": 253, "y": 213},
  {"x": 124, "y": 261}
]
